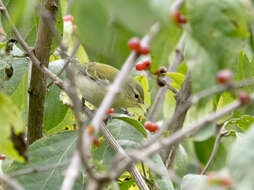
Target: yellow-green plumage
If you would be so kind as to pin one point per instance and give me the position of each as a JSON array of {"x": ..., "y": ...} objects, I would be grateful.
[{"x": 94, "y": 84}]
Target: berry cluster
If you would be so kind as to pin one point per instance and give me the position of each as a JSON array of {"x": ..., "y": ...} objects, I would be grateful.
[{"x": 152, "y": 127}]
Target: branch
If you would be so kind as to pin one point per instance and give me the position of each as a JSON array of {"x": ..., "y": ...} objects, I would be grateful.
[
  {"x": 221, "y": 134},
  {"x": 160, "y": 96},
  {"x": 11, "y": 182},
  {"x": 189, "y": 130},
  {"x": 107, "y": 102},
  {"x": 71, "y": 173},
  {"x": 67, "y": 62},
  {"x": 59, "y": 82},
  {"x": 221, "y": 88},
  {"x": 38, "y": 84}
]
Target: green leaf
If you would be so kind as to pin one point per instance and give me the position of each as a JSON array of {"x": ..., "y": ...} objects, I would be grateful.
[
  {"x": 66, "y": 124},
  {"x": 145, "y": 85},
  {"x": 243, "y": 122},
  {"x": 203, "y": 151},
  {"x": 134, "y": 123},
  {"x": 200, "y": 64},
  {"x": 194, "y": 182},
  {"x": 177, "y": 78},
  {"x": 134, "y": 15},
  {"x": 20, "y": 96},
  {"x": 245, "y": 70},
  {"x": 25, "y": 15},
  {"x": 219, "y": 26},
  {"x": 218, "y": 29},
  {"x": 163, "y": 44},
  {"x": 169, "y": 104},
  {"x": 12, "y": 130},
  {"x": 93, "y": 25},
  {"x": 241, "y": 161},
  {"x": 162, "y": 182},
  {"x": 55, "y": 110},
  {"x": 19, "y": 66},
  {"x": 225, "y": 99},
  {"x": 205, "y": 133},
  {"x": 182, "y": 161},
  {"x": 123, "y": 132},
  {"x": 56, "y": 149}
]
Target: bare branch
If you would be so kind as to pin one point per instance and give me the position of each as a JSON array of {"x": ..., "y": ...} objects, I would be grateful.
[
  {"x": 60, "y": 83},
  {"x": 221, "y": 88},
  {"x": 160, "y": 96},
  {"x": 11, "y": 182},
  {"x": 221, "y": 134},
  {"x": 190, "y": 130},
  {"x": 67, "y": 62},
  {"x": 71, "y": 173},
  {"x": 38, "y": 83}
]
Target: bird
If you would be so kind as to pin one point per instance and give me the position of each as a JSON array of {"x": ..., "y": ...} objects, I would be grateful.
[{"x": 94, "y": 80}]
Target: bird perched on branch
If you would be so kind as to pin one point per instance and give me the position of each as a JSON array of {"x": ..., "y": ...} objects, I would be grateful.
[{"x": 95, "y": 79}]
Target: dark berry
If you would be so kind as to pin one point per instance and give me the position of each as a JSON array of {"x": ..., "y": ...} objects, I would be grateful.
[
  {"x": 224, "y": 76},
  {"x": 243, "y": 97},
  {"x": 96, "y": 142},
  {"x": 179, "y": 18}
]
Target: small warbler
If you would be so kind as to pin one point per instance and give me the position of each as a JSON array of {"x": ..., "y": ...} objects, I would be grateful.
[{"x": 94, "y": 82}]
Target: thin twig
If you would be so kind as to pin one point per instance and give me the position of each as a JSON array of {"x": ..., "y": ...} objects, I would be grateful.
[
  {"x": 67, "y": 62},
  {"x": 221, "y": 133},
  {"x": 11, "y": 182},
  {"x": 190, "y": 130},
  {"x": 160, "y": 96},
  {"x": 221, "y": 88},
  {"x": 60, "y": 83},
  {"x": 71, "y": 173}
]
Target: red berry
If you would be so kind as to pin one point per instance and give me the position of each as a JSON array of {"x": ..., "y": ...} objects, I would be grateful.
[
  {"x": 96, "y": 142},
  {"x": 134, "y": 44},
  {"x": 147, "y": 64},
  {"x": 226, "y": 182},
  {"x": 2, "y": 157},
  {"x": 1, "y": 30},
  {"x": 67, "y": 18},
  {"x": 111, "y": 110},
  {"x": 140, "y": 66},
  {"x": 179, "y": 18},
  {"x": 150, "y": 126},
  {"x": 224, "y": 76},
  {"x": 243, "y": 97},
  {"x": 144, "y": 49}
]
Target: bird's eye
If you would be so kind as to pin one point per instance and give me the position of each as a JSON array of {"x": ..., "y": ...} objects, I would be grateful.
[{"x": 136, "y": 96}]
